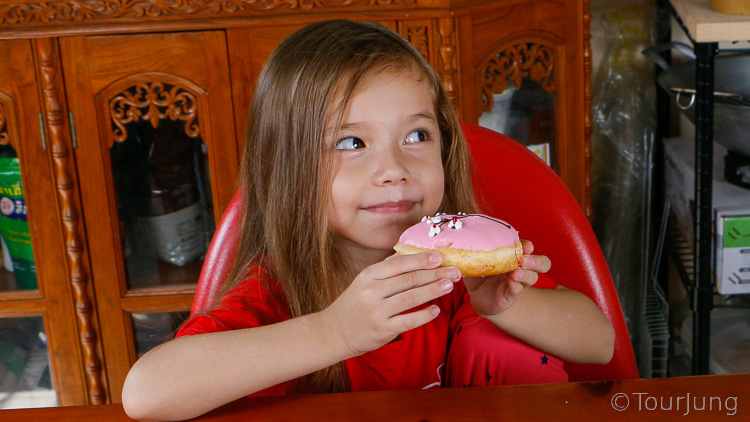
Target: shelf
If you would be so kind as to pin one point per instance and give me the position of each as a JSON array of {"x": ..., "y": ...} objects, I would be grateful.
[
  {"x": 162, "y": 274},
  {"x": 9, "y": 292},
  {"x": 28, "y": 399},
  {"x": 706, "y": 25},
  {"x": 706, "y": 29}
]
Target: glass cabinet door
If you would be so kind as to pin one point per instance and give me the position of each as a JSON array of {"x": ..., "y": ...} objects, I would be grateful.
[
  {"x": 518, "y": 97},
  {"x": 41, "y": 352},
  {"x": 25, "y": 375},
  {"x": 25, "y": 379},
  {"x": 163, "y": 193},
  {"x": 152, "y": 329},
  {"x": 17, "y": 267},
  {"x": 158, "y": 160}
]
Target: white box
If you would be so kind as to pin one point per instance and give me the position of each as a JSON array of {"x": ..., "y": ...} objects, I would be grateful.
[
  {"x": 729, "y": 201},
  {"x": 733, "y": 251}
]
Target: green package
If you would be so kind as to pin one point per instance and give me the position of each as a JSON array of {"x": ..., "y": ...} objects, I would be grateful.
[
  {"x": 737, "y": 231},
  {"x": 14, "y": 227}
]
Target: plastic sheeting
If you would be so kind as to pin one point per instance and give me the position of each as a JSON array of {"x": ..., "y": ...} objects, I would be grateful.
[{"x": 624, "y": 121}]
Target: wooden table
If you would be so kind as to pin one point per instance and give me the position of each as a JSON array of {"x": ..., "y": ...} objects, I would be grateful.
[{"x": 725, "y": 395}]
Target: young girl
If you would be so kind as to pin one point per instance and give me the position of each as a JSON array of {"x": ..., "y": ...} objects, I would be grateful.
[{"x": 351, "y": 139}]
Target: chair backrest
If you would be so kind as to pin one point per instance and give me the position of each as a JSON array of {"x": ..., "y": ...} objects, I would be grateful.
[
  {"x": 218, "y": 260},
  {"x": 513, "y": 184}
]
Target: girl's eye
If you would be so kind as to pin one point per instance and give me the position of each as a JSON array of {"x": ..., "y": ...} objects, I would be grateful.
[
  {"x": 350, "y": 143},
  {"x": 417, "y": 136}
]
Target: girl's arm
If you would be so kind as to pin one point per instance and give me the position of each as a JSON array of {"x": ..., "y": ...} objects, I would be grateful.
[
  {"x": 191, "y": 375},
  {"x": 560, "y": 321}
]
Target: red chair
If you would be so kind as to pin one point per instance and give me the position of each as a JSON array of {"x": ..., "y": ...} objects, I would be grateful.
[{"x": 540, "y": 207}]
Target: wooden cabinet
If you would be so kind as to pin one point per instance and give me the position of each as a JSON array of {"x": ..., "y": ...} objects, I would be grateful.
[
  {"x": 44, "y": 308},
  {"x": 127, "y": 119}
]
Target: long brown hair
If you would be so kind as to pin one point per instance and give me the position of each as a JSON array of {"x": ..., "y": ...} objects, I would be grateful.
[{"x": 285, "y": 180}]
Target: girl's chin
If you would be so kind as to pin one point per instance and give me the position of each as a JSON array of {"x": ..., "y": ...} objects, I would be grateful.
[
  {"x": 384, "y": 244},
  {"x": 375, "y": 240}
]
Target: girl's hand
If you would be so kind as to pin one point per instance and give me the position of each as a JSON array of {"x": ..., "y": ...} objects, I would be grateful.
[
  {"x": 369, "y": 313},
  {"x": 493, "y": 295}
]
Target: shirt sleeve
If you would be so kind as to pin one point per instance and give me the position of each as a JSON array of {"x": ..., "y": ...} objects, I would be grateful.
[{"x": 248, "y": 305}]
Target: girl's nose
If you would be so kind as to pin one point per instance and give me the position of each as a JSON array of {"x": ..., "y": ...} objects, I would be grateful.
[{"x": 391, "y": 168}]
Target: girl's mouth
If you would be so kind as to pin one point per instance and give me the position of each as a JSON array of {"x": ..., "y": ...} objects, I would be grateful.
[{"x": 391, "y": 207}]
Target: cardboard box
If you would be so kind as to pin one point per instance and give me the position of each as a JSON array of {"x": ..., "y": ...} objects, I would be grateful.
[
  {"x": 731, "y": 206},
  {"x": 733, "y": 251}
]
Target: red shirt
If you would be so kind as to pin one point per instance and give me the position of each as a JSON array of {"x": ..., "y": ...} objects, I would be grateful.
[{"x": 414, "y": 360}]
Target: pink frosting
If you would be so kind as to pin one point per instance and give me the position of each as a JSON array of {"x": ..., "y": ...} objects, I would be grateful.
[{"x": 478, "y": 232}]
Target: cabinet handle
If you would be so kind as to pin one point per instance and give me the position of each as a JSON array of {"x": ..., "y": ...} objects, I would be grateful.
[
  {"x": 42, "y": 131},
  {"x": 73, "y": 134}
]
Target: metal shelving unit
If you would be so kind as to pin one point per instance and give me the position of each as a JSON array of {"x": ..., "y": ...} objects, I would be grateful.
[{"x": 705, "y": 30}]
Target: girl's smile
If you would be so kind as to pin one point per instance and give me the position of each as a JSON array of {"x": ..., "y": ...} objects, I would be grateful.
[{"x": 391, "y": 207}]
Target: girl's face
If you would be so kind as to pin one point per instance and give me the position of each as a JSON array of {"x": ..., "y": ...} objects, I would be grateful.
[{"x": 388, "y": 171}]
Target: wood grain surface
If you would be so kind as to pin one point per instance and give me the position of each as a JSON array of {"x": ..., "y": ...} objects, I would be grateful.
[{"x": 644, "y": 399}]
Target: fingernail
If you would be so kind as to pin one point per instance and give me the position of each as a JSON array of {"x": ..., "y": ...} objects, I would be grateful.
[
  {"x": 435, "y": 258},
  {"x": 434, "y": 310},
  {"x": 446, "y": 285}
]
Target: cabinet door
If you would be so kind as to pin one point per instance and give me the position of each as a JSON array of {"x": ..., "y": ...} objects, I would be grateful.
[
  {"x": 40, "y": 357},
  {"x": 157, "y": 159},
  {"x": 523, "y": 75},
  {"x": 249, "y": 48}
]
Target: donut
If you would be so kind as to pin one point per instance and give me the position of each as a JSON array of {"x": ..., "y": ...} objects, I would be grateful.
[{"x": 477, "y": 244}]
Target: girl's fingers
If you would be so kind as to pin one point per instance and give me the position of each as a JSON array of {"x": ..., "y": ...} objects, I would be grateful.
[
  {"x": 399, "y": 264},
  {"x": 409, "y": 299},
  {"x": 526, "y": 277},
  {"x": 528, "y": 247},
  {"x": 516, "y": 288},
  {"x": 538, "y": 263},
  {"x": 512, "y": 289},
  {"x": 412, "y": 320},
  {"x": 413, "y": 279}
]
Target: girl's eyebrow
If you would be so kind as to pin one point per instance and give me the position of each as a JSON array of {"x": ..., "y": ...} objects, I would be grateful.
[
  {"x": 416, "y": 116},
  {"x": 422, "y": 115}
]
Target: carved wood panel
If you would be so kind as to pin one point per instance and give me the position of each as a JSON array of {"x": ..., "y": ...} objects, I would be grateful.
[
  {"x": 53, "y": 100},
  {"x": 152, "y": 101},
  {"x": 512, "y": 64},
  {"x": 75, "y": 11},
  {"x": 448, "y": 67},
  {"x": 6, "y": 120},
  {"x": 3, "y": 125},
  {"x": 419, "y": 34}
]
